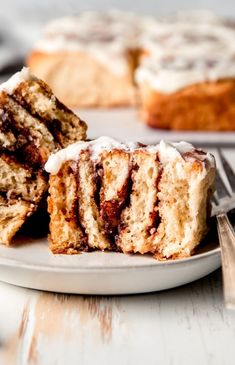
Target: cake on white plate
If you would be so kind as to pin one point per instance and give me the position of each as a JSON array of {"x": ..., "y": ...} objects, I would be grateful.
[{"x": 129, "y": 197}]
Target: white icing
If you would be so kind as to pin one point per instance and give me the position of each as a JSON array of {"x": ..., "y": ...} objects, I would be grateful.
[
  {"x": 180, "y": 55},
  {"x": 183, "y": 39},
  {"x": 72, "y": 152},
  {"x": 170, "y": 151},
  {"x": 11, "y": 84},
  {"x": 109, "y": 36},
  {"x": 167, "y": 151},
  {"x": 177, "y": 75},
  {"x": 196, "y": 16},
  {"x": 106, "y": 36}
]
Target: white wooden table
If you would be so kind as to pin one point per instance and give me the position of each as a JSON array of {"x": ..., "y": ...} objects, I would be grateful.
[{"x": 186, "y": 325}]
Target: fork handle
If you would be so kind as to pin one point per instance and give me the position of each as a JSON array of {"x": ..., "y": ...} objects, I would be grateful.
[{"x": 227, "y": 244}]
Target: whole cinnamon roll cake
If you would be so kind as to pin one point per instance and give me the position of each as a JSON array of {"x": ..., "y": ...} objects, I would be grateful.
[
  {"x": 88, "y": 59},
  {"x": 179, "y": 69},
  {"x": 128, "y": 197},
  {"x": 189, "y": 95},
  {"x": 33, "y": 124},
  {"x": 187, "y": 77}
]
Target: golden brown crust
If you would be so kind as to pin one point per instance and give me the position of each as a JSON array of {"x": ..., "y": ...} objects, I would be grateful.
[
  {"x": 208, "y": 106},
  {"x": 96, "y": 85},
  {"x": 66, "y": 235},
  {"x": 13, "y": 214}
]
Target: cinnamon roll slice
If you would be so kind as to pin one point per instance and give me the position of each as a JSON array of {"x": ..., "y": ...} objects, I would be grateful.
[
  {"x": 130, "y": 197},
  {"x": 33, "y": 124}
]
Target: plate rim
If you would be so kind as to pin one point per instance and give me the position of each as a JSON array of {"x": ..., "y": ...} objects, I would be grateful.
[{"x": 8, "y": 262}]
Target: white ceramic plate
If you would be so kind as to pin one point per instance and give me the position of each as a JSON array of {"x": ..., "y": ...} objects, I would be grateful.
[{"x": 31, "y": 264}]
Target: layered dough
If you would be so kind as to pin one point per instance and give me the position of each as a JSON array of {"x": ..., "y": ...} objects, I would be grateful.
[
  {"x": 33, "y": 124},
  {"x": 129, "y": 197}
]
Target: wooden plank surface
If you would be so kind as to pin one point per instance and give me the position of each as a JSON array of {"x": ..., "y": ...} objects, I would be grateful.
[{"x": 186, "y": 325}]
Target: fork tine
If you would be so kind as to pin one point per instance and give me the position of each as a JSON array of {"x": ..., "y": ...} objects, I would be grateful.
[
  {"x": 221, "y": 189},
  {"x": 228, "y": 170}
]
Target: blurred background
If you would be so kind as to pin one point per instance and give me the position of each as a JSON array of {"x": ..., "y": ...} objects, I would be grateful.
[
  {"x": 21, "y": 20},
  {"x": 21, "y": 23}
]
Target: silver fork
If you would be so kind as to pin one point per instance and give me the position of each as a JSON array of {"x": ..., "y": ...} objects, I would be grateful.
[{"x": 224, "y": 201}]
